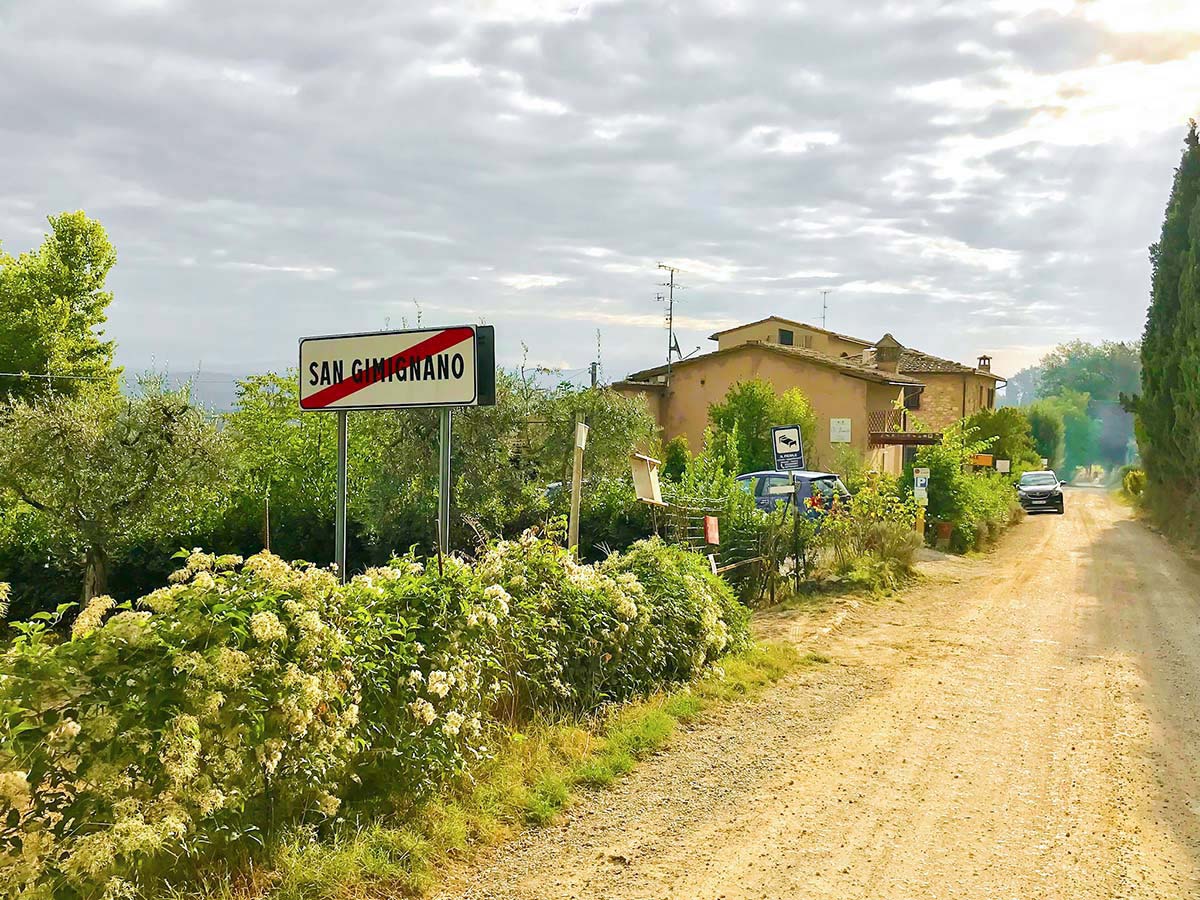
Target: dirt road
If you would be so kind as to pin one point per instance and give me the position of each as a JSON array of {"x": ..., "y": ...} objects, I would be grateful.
[{"x": 1021, "y": 726}]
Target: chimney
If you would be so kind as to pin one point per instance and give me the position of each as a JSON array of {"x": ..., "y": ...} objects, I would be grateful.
[
  {"x": 887, "y": 354},
  {"x": 985, "y": 363}
]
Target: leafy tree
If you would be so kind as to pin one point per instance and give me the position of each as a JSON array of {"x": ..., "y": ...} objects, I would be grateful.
[
  {"x": 1009, "y": 436},
  {"x": 1102, "y": 371},
  {"x": 1022, "y": 388},
  {"x": 104, "y": 471},
  {"x": 285, "y": 471},
  {"x": 1105, "y": 372},
  {"x": 1049, "y": 431},
  {"x": 52, "y": 304},
  {"x": 1168, "y": 408},
  {"x": 508, "y": 459},
  {"x": 1080, "y": 430},
  {"x": 752, "y": 408},
  {"x": 676, "y": 456}
]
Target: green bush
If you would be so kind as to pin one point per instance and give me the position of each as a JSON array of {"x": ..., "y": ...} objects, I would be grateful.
[
  {"x": 693, "y": 615},
  {"x": 420, "y": 645},
  {"x": 872, "y": 541},
  {"x": 1133, "y": 482},
  {"x": 977, "y": 505}
]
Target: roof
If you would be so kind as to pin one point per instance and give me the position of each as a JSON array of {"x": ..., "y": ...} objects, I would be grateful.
[
  {"x": 847, "y": 365},
  {"x": 793, "y": 322},
  {"x": 922, "y": 363},
  {"x": 799, "y": 473}
]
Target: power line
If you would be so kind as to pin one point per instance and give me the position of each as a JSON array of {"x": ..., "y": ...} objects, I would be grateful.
[{"x": 62, "y": 377}]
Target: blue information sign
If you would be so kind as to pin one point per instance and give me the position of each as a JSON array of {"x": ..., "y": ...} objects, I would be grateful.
[{"x": 789, "y": 447}]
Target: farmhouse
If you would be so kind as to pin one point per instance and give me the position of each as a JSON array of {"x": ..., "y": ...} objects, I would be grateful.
[{"x": 868, "y": 395}]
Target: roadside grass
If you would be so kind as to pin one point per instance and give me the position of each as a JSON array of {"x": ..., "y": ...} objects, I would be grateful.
[{"x": 531, "y": 778}]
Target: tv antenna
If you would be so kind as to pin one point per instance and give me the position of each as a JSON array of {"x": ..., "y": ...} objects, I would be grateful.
[
  {"x": 670, "y": 285},
  {"x": 825, "y": 305}
]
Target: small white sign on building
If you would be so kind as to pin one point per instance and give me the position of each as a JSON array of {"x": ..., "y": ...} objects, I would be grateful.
[{"x": 839, "y": 431}]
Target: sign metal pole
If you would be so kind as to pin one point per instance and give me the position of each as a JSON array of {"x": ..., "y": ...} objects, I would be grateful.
[
  {"x": 444, "y": 482},
  {"x": 339, "y": 525}
]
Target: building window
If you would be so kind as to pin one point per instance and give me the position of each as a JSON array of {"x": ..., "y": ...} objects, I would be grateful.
[
  {"x": 991, "y": 398},
  {"x": 981, "y": 395},
  {"x": 785, "y": 337},
  {"x": 912, "y": 397}
]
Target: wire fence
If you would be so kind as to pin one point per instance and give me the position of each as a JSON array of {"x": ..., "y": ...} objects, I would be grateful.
[{"x": 742, "y": 555}]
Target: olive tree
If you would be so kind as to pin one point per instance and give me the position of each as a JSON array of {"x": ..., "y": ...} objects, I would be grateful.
[{"x": 102, "y": 470}]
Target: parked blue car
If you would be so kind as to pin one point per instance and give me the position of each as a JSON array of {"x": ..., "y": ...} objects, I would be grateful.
[{"x": 822, "y": 488}]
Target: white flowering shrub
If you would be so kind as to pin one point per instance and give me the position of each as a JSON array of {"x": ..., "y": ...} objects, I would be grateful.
[
  {"x": 173, "y": 727},
  {"x": 580, "y": 635},
  {"x": 694, "y": 616},
  {"x": 245, "y": 696},
  {"x": 418, "y": 645}
]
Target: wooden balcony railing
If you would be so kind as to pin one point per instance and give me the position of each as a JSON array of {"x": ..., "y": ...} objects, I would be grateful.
[{"x": 892, "y": 426}]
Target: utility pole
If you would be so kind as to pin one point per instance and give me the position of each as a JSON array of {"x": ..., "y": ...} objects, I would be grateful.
[
  {"x": 595, "y": 369},
  {"x": 670, "y": 298},
  {"x": 824, "y": 305}
]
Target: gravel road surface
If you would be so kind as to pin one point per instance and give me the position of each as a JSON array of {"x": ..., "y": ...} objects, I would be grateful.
[{"x": 1022, "y": 725}]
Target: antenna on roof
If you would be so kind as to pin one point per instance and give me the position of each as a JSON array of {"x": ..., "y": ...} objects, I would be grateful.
[
  {"x": 825, "y": 305},
  {"x": 672, "y": 343}
]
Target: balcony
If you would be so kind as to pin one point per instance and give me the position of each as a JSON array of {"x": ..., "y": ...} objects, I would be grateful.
[{"x": 890, "y": 427}]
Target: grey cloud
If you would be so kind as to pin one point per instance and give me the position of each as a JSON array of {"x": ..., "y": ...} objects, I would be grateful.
[{"x": 270, "y": 170}]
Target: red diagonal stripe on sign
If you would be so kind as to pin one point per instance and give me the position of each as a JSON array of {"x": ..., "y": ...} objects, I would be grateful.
[{"x": 431, "y": 346}]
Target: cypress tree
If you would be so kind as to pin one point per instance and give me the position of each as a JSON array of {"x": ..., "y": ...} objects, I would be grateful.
[{"x": 1169, "y": 406}]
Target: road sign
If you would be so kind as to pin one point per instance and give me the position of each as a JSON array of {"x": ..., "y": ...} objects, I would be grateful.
[
  {"x": 789, "y": 447},
  {"x": 441, "y": 367},
  {"x": 839, "y": 431},
  {"x": 1004, "y": 465},
  {"x": 453, "y": 366},
  {"x": 921, "y": 486},
  {"x": 982, "y": 460}
]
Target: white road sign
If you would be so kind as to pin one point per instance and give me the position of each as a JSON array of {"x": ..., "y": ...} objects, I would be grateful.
[{"x": 388, "y": 369}]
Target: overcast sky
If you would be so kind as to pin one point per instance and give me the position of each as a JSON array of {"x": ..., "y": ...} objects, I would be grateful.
[{"x": 970, "y": 176}]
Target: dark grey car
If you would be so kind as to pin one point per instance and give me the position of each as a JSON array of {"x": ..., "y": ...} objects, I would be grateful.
[{"x": 1041, "y": 492}]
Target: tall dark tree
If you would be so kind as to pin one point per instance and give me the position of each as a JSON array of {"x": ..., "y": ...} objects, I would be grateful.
[{"x": 1169, "y": 406}]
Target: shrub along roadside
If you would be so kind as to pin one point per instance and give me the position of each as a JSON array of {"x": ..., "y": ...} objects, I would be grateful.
[
  {"x": 533, "y": 775},
  {"x": 246, "y": 698}
]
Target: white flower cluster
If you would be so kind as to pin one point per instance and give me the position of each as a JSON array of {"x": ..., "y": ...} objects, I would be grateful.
[
  {"x": 500, "y": 597},
  {"x": 439, "y": 683},
  {"x": 266, "y": 627},
  {"x": 423, "y": 711},
  {"x": 92, "y": 615},
  {"x": 14, "y": 790}
]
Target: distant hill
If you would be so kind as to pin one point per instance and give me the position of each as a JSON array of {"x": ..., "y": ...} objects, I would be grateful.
[{"x": 215, "y": 391}]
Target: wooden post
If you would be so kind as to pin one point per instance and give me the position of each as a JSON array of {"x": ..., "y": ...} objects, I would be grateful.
[{"x": 581, "y": 432}]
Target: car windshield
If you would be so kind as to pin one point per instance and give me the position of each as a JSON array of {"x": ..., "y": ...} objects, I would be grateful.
[
  {"x": 1038, "y": 478},
  {"x": 829, "y": 487}
]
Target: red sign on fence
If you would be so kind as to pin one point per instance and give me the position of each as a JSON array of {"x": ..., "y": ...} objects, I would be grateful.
[{"x": 712, "y": 530}]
